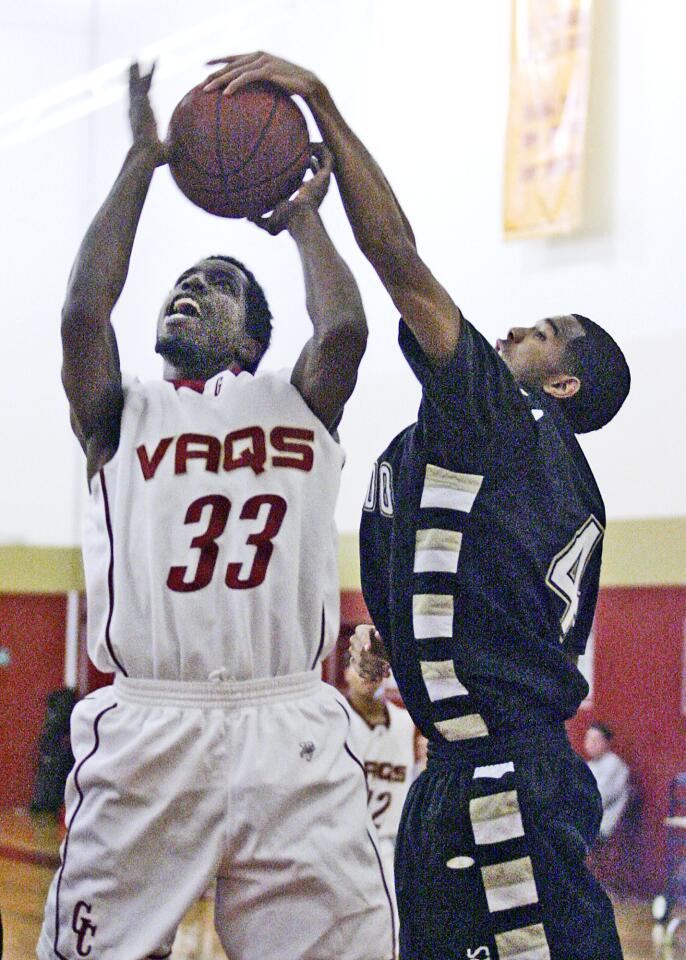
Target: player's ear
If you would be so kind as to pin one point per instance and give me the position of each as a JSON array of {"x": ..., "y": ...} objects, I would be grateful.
[{"x": 562, "y": 386}]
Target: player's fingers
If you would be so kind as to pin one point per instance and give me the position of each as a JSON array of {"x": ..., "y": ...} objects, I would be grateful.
[
  {"x": 262, "y": 222},
  {"x": 275, "y": 221},
  {"x": 134, "y": 72},
  {"x": 356, "y": 645},
  {"x": 232, "y": 68},
  {"x": 212, "y": 79},
  {"x": 323, "y": 157},
  {"x": 233, "y": 79},
  {"x": 363, "y": 636},
  {"x": 234, "y": 58},
  {"x": 242, "y": 79}
]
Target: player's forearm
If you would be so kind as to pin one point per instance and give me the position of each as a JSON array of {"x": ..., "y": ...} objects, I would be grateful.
[
  {"x": 384, "y": 234},
  {"x": 380, "y": 227},
  {"x": 102, "y": 263},
  {"x": 332, "y": 295}
]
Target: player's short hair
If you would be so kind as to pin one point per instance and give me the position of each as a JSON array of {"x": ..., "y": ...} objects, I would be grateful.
[
  {"x": 603, "y": 728},
  {"x": 604, "y": 373},
  {"x": 258, "y": 315}
]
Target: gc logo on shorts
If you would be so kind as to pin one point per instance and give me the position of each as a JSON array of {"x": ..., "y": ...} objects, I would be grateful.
[{"x": 82, "y": 927}]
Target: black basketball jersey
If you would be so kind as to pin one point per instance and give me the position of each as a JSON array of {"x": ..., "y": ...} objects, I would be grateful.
[{"x": 480, "y": 549}]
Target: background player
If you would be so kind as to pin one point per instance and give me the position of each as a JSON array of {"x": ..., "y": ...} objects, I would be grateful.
[
  {"x": 383, "y": 736},
  {"x": 480, "y": 566},
  {"x": 611, "y": 774},
  {"x": 210, "y": 559}
]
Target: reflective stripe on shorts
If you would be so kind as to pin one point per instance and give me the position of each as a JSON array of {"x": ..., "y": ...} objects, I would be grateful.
[{"x": 219, "y": 694}]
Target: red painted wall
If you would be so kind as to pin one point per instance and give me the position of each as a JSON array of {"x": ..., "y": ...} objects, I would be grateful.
[
  {"x": 32, "y": 629},
  {"x": 639, "y": 640},
  {"x": 638, "y": 663}
]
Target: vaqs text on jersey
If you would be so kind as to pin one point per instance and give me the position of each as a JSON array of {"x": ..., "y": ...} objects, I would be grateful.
[{"x": 247, "y": 448}]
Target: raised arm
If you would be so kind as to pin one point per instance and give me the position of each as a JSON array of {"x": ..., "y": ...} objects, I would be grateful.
[
  {"x": 326, "y": 371},
  {"x": 378, "y": 222},
  {"x": 90, "y": 359}
]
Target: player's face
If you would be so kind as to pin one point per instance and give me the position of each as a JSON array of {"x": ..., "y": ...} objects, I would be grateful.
[
  {"x": 595, "y": 743},
  {"x": 204, "y": 316},
  {"x": 535, "y": 354}
]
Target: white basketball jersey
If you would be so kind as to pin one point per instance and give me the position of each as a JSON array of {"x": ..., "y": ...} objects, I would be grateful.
[
  {"x": 388, "y": 756},
  {"x": 209, "y": 542}
]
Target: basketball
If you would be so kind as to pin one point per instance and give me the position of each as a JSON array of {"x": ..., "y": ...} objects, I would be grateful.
[{"x": 238, "y": 156}]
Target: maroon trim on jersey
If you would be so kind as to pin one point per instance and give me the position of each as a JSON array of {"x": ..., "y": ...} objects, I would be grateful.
[
  {"x": 197, "y": 385},
  {"x": 77, "y": 785},
  {"x": 321, "y": 642},
  {"x": 110, "y": 574},
  {"x": 371, "y": 839}
]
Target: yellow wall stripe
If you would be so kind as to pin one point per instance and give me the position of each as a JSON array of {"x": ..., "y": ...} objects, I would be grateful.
[
  {"x": 40, "y": 569},
  {"x": 635, "y": 553}
]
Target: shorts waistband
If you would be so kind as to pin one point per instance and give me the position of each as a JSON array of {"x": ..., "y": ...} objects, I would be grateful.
[
  {"x": 501, "y": 746},
  {"x": 216, "y": 694}
]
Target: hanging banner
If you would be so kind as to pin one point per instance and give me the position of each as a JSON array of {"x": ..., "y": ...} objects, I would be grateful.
[{"x": 549, "y": 75}]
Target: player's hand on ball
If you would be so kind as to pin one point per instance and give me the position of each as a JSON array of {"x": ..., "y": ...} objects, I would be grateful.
[
  {"x": 237, "y": 71},
  {"x": 310, "y": 194},
  {"x": 141, "y": 116},
  {"x": 368, "y": 654}
]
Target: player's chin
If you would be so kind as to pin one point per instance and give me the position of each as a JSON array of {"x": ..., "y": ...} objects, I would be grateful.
[{"x": 177, "y": 346}]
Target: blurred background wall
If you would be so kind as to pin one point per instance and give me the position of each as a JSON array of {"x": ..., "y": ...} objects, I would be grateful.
[{"x": 426, "y": 87}]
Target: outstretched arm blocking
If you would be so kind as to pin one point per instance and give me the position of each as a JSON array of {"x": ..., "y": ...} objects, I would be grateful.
[
  {"x": 381, "y": 229},
  {"x": 90, "y": 360}
]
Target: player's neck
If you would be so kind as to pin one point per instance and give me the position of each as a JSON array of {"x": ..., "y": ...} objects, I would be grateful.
[
  {"x": 372, "y": 711},
  {"x": 199, "y": 369}
]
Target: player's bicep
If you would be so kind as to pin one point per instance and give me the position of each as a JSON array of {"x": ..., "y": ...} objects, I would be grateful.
[{"x": 326, "y": 371}]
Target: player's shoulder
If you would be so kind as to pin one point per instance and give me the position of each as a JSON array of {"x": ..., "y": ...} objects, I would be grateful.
[
  {"x": 394, "y": 450},
  {"x": 399, "y": 717}
]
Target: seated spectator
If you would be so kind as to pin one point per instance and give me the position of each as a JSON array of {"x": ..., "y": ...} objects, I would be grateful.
[{"x": 611, "y": 773}]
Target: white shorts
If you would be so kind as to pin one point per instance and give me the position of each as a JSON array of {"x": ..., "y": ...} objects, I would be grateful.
[
  {"x": 386, "y": 846},
  {"x": 176, "y": 784}
]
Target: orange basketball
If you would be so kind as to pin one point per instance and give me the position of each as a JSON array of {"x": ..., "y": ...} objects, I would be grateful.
[{"x": 238, "y": 156}]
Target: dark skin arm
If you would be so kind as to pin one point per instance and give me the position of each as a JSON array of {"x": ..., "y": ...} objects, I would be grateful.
[
  {"x": 378, "y": 223},
  {"x": 326, "y": 371},
  {"x": 90, "y": 360}
]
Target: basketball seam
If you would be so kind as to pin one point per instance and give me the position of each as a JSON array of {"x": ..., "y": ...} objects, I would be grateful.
[
  {"x": 256, "y": 146},
  {"x": 222, "y": 188},
  {"x": 182, "y": 147}
]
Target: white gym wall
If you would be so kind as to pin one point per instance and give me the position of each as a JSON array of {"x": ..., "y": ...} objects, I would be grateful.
[{"x": 426, "y": 87}]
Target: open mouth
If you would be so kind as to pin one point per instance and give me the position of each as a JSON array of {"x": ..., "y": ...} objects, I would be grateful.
[{"x": 184, "y": 307}]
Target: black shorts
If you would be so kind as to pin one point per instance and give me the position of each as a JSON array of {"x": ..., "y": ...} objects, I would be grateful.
[{"x": 490, "y": 857}]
